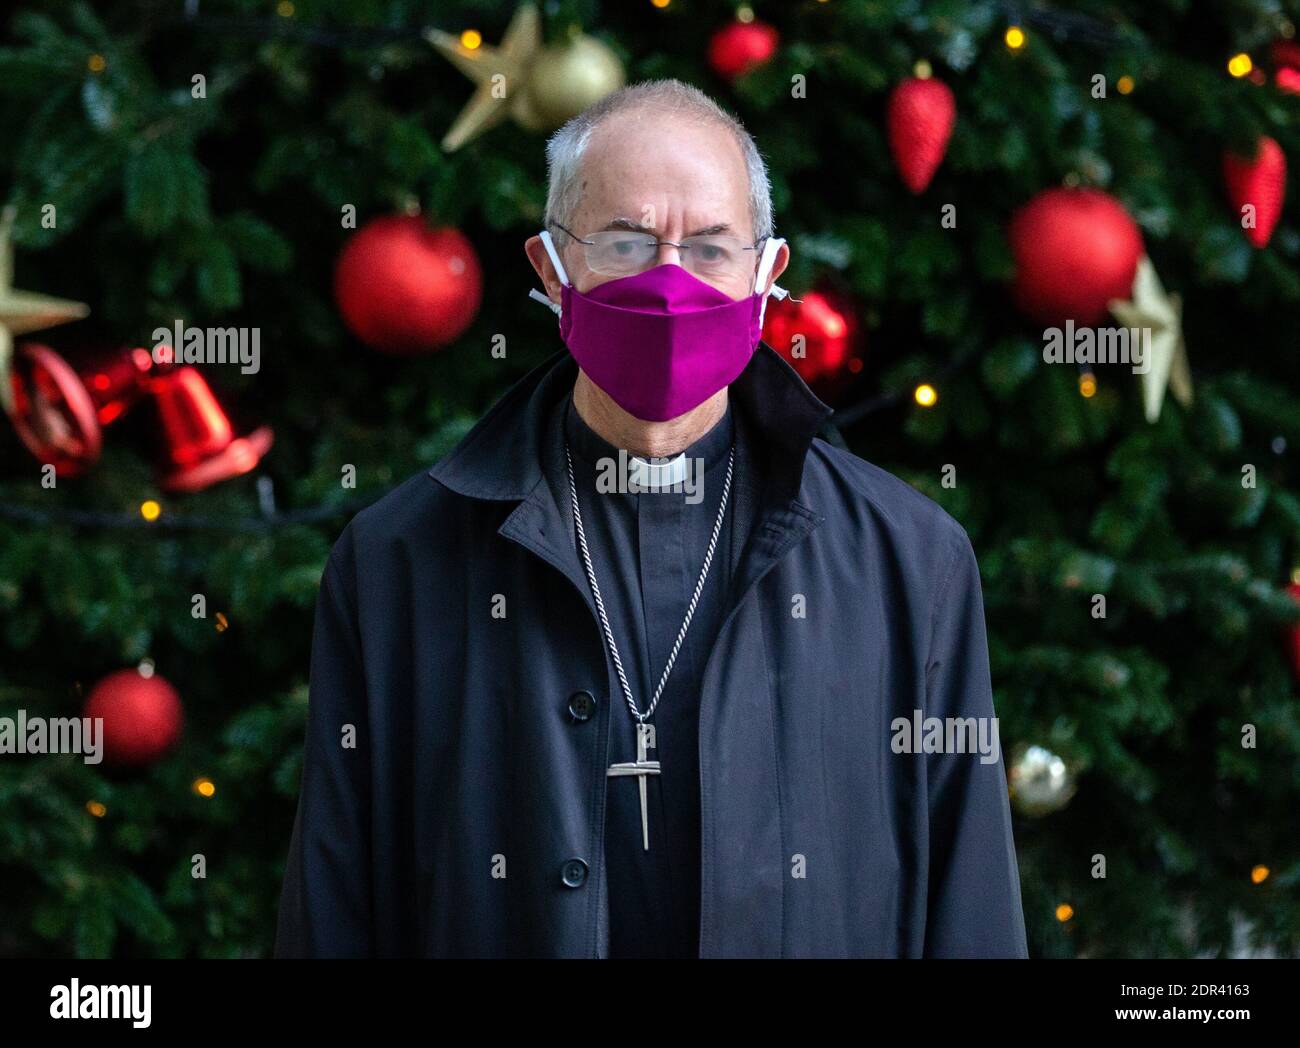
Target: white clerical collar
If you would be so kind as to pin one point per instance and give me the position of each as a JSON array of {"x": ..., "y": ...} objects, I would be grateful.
[{"x": 655, "y": 476}]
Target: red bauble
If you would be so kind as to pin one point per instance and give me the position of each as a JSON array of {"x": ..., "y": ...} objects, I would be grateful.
[
  {"x": 829, "y": 330},
  {"x": 1075, "y": 250},
  {"x": 404, "y": 288},
  {"x": 142, "y": 717},
  {"x": 737, "y": 48},
  {"x": 921, "y": 116},
  {"x": 1261, "y": 182},
  {"x": 1293, "y": 634}
]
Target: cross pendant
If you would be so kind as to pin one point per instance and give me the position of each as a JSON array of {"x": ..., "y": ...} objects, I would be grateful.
[{"x": 645, "y": 739}]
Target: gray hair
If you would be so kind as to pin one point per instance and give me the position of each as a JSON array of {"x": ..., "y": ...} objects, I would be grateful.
[{"x": 565, "y": 148}]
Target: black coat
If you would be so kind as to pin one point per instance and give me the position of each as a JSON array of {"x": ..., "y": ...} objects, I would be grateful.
[{"x": 455, "y": 634}]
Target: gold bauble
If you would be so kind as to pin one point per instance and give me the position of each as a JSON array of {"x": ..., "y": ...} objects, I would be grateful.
[{"x": 568, "y": 77}]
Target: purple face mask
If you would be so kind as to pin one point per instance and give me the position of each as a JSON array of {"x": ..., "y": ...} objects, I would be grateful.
[{"x": 662, "y": 341}]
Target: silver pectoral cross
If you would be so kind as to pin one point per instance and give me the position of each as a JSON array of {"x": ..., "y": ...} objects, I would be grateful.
[{"x": 645, "y": 739}]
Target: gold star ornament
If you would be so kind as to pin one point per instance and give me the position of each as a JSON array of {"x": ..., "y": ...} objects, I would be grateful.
[
  {"x": 537, "y": 87},
  {"x": 499, "y": 73},
  {"x": 22, "y": 312},
  {"x": 1150, "y": 309}
]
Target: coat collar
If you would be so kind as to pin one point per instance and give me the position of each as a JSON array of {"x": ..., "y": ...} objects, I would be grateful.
[{"x": 501, "y": 457}]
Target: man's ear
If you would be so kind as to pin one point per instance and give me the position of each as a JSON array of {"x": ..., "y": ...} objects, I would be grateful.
[
  {"x": 778, "y": 267},
  {"x": 536, "y": 252}
]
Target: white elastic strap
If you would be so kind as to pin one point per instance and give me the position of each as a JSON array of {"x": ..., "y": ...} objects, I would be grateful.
[
  {"x": 537, "y": 296},
  {"x": 765, "y": 264},
  {"x": 770, "y": 250},
  {"x": 555, "y": 257}
]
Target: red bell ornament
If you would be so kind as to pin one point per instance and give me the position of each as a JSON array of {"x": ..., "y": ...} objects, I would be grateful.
[
  {"x": 59, "y": 412},
  {"x": 199, "y": 441}
]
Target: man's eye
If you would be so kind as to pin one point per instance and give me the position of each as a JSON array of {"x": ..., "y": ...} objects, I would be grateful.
[
  {"x": 627, "y": 248},
  {"x": 710, "y": 253}
]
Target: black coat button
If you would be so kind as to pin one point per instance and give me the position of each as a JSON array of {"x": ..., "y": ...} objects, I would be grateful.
[
  {"x": 574, "y": 873},
  {"x": 582, "y": 704}
]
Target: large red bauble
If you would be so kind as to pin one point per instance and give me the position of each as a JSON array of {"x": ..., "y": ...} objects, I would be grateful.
[
  {"x": 921, "y": 116},
  {"x": 1260, "y": 181},
  {"x": 829, "y": 330},
  {"x": 142, "y": 716},
  {"x": 1075, "y": 250},
  {"x": 737, "y": 48},
  {"x": 404, "y": 288}
]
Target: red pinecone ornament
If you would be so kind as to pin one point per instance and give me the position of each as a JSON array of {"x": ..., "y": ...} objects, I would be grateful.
[
  {"x": 1260, "y": 181},
  {"x": 921, "y": 116}
]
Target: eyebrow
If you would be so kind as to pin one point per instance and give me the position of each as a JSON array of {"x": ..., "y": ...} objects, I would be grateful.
[{"x": 640, "y": 227}]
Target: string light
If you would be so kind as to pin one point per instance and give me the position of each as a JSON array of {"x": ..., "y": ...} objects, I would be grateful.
[
  {"x": 471, "y": 39},
  {"x": 661, "y": 4},
  {"x": 1259, "y": 874},
  {"x": 204, "y": 787},
  {"x": 744, "y": 13},
  {"x": 1014, "y": 37},
  {"x": 284, "y": 9},
  {"x": 1240, "y": 64},
  {"x": 150, "y": 510},
  {"x": 922, "y": 70},
  {"x": 222, "y": 622},
  {"x": 1064, "y": 912},
  {"x": 96, "y": 809},
  {"x": 1124, "y": 85},
  {"x": 96, "y": 63},
  {"x": 1087, "y": 384},
  {"x": 925, "y": 395}
]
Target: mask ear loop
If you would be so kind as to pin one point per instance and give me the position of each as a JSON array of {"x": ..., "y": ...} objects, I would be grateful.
[
  {"x": 560, "y": 272},
  {"x": 766, "y": 261}
]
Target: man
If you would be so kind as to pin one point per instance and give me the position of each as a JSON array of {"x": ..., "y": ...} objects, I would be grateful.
[{"x": 623, "y": 674}]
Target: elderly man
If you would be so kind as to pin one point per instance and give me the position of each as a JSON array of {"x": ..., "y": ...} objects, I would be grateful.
[{"x": 634, "y": 670}]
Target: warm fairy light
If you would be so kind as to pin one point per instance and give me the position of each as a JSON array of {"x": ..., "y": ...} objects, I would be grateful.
[
  {"x": 1240, "y": 64},
  {"x": 150, "y": 510},
  {"x": 470, "y": 39},
  {"x": 222, "y": 622},
  {"x": 744, "y": 13},
  {"x": 925, "y": 395},
  {"x": 1124, "y": 85},
  {"x": 1087, "y": 384},
  {"x": 661, "y": 4},
  {"x": 1064, "y": 912},
  {"x": 1259, "y": 874},
  {"x": 1014, "y": 37},
  {"x": 145, "y": 668},
  {"x": 284, "y": 9},
  {"x": 96, "y": 809},
  {"x": 922, "y": 70},
  {"x": 1295, "y": 576},
  {"x": 204, "y": 787},
  {"x": 96, "y": 63}
]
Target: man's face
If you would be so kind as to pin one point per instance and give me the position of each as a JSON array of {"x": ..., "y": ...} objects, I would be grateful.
[{"x": 667, "y": 175}]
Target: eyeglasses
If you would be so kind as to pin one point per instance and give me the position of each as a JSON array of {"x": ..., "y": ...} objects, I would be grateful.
[{"x": 710, "y": 256}]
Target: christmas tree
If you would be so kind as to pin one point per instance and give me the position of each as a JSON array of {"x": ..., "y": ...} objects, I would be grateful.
[{"x": 956, "y": 180}]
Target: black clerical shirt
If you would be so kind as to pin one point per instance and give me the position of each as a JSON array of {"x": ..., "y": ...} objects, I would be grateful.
[{"x": 647, "y": 551}]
